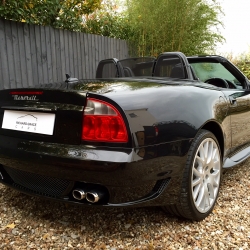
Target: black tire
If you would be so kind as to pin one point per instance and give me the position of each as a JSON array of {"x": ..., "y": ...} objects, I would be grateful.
[{"x": 201, "y": 179}]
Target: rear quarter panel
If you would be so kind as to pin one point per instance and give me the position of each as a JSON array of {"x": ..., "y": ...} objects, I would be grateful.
[{"x": 160, "y": 113}]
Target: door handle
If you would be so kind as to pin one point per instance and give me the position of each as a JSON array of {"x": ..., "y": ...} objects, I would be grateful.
[{"x": 233, "y": 101}]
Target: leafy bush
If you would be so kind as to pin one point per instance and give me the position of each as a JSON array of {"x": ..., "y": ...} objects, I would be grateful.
[
  {"x": 150, "y": 26},
  {"x": 65, "y": 14},
  {"x": 108, "y": 21},
  {"x": 188, "y": 26}
]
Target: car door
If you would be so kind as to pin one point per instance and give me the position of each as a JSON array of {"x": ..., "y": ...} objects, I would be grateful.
[
  {"x": 239, "y": 111},
  {"x": 238, "y": 96},
  {"x": 218, "y": 71}
]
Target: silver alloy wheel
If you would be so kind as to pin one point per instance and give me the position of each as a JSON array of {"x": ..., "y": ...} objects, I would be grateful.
[{"x": 206, "y": 171}]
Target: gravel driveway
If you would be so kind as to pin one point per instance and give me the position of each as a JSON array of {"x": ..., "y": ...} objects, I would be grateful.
[{"x": 34, "y": 223}]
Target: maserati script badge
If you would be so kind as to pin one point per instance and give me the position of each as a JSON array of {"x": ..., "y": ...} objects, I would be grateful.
[{"x": 22, "y": 98}]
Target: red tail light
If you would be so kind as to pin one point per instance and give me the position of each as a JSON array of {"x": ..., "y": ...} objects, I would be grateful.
[{"x": 102, "y": 122}]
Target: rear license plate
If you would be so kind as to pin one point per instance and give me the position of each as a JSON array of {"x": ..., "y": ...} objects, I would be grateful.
[{"x": 33, "y": 122}]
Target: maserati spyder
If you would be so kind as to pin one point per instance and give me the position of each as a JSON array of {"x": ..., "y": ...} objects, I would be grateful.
[{"x": 145, "y": 132}]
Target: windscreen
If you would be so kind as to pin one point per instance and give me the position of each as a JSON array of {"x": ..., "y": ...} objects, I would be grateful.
[{"x": 208, "y": 70}]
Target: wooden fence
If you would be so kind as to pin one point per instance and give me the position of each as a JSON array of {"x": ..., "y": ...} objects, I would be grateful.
[{"x": 31, "y": 54}]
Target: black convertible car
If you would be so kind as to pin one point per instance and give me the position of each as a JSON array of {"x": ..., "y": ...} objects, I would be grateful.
[{"x": 146, "y": 132}]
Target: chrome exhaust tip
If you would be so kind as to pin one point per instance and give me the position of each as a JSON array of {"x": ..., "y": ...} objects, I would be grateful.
[
  {"x": 92, "y": 197},
  {"x": 78, "y": 194}
]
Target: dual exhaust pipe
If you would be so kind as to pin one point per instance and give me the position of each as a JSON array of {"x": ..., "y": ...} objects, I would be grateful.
[{"x": 91, "y": 196}]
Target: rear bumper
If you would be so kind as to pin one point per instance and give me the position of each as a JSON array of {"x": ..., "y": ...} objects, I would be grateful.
[
  {"x": 125, "y": 197},
  {"x": 126, "y": 179}
]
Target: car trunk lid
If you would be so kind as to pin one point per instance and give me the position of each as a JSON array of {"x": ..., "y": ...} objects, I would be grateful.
[{"x": 50, "y": 115}]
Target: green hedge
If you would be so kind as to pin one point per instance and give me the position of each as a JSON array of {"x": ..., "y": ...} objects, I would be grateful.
[
  {"x": 244, "y": 66},
  {"x": 243, "y": 63}
]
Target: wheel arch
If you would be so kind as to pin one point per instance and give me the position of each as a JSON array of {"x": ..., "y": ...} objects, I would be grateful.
[{"x": 215, "y": 128}]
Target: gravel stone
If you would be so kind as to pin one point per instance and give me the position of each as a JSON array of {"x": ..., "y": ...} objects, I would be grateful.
[{"x": 36, "y": 223}]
